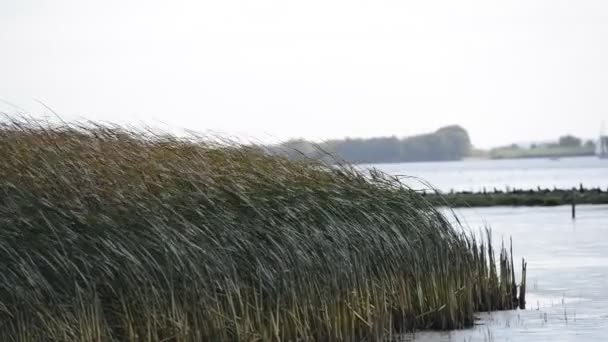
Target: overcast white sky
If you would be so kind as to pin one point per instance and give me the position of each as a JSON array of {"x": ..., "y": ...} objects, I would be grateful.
[{"x": 507, "y": 71}]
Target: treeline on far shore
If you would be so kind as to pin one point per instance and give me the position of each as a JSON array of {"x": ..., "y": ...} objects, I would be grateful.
[{"x": 447, "y": 143}]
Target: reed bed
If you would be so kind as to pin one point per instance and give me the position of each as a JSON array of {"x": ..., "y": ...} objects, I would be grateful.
[{"x": 113, "y": 234}]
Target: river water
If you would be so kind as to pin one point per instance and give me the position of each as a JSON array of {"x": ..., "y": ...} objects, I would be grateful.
[
  {"x": 520, "y": 173},
  {"x": 567, "y": 259},
  {"x": 567, "y": 297}
]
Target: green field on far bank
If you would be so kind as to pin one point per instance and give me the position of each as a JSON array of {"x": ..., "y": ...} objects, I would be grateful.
[{"x": 541, "y": 152}]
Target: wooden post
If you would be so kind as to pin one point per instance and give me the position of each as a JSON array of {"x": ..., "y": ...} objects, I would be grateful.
[{"x": 573, "y": 203}]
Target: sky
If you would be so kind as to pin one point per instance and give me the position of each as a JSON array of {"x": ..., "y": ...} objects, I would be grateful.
[{"x": 507, "y": 71}]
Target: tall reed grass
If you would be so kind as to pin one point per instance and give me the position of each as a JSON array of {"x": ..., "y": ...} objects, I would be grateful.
[{"x": 111, "y": 234}]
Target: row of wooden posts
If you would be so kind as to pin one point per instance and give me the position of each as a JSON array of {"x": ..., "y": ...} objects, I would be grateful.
[{"x": 574, "y": 191}]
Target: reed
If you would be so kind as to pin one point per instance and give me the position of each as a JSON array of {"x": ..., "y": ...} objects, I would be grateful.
[{"x": 112, "y": 234}]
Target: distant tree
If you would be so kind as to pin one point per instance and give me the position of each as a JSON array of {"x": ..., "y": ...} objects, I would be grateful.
[
  {"x": 590, "y": 143},
  {"x": 569, "y": 141},
  {"x": 454, "y": 141}
]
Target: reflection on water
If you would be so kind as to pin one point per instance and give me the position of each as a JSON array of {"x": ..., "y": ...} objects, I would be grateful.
[
  {"x": 519, "y": 173},
  {"x": 567, "y": 276}
]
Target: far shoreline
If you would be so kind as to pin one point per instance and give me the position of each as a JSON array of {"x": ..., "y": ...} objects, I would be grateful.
[{"x": 479, "y": 159}]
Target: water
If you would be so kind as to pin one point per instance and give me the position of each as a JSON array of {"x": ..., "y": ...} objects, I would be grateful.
[
  {"x": 567, "y": 259},
  {"x": 519, "y": 173}
]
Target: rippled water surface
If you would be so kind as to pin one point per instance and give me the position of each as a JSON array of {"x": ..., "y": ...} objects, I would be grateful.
[
  {"x": 520, "y": 173},
  {"x": 567, "y": 275}
]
